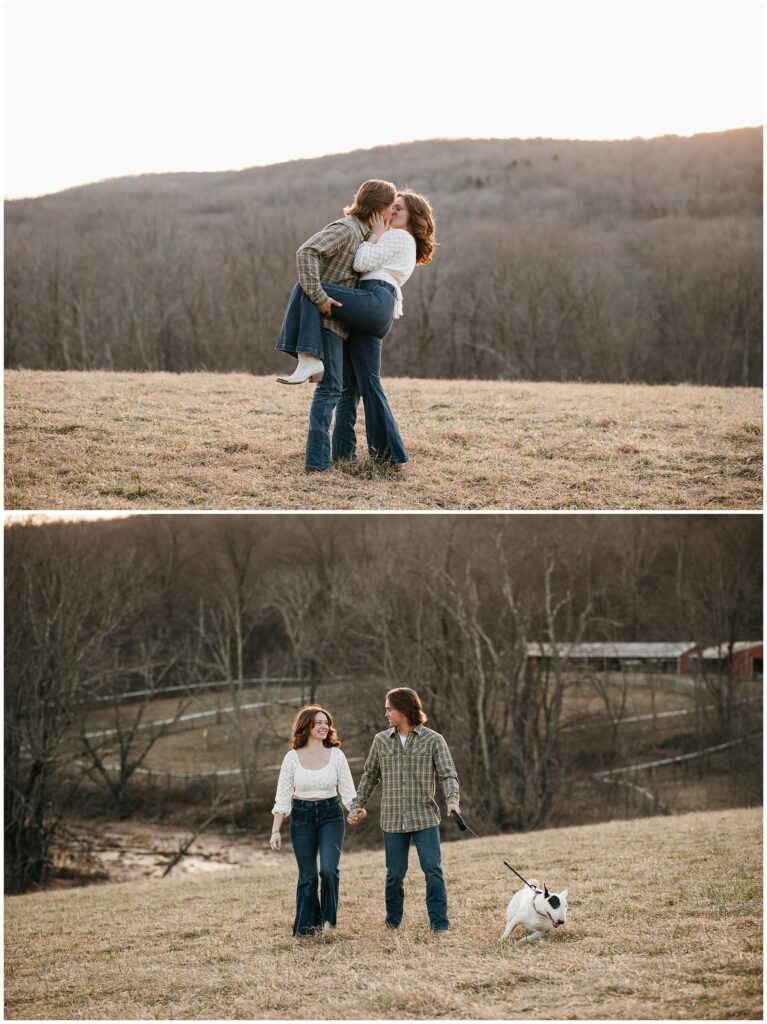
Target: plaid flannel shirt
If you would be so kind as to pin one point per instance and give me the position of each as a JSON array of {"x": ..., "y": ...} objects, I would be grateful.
[
  {"x": 329, "y": 256},
  {"x": 408, "y": 775}
]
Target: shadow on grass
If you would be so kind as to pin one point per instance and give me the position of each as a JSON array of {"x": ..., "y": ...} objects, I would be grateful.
[{"x": 369, "y": 469}]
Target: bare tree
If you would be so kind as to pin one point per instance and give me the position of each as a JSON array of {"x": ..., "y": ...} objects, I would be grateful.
[
  {"x": 113, "y": 755},
  {"x": 718, "y": 586},
  {"x": 229, "y": 617},
  {"x": 68, "y": 611}
]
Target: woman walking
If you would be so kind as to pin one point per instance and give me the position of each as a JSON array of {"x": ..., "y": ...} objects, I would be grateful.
[{"x": 314, "y": 771}]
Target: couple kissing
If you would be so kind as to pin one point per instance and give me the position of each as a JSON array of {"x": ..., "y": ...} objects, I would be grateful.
[{"x": 348, "y": 295}]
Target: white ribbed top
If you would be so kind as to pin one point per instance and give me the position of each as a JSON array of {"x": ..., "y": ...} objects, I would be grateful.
[
  {"x": 313, "y": 784},
  {"x": 393, "y": 255}
]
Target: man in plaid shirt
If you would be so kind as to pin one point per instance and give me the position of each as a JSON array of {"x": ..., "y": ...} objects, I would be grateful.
[
  {"x": 329, "y": 256},
  {"x": 407, "y": 759}
]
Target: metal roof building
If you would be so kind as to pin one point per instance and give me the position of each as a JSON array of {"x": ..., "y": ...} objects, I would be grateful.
[{"x": 665, "y": 656}]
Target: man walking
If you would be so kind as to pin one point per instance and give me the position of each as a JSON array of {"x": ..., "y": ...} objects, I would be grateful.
[
  {"x": 329, "y": 256},
  {"x": 407, "y": 758}
]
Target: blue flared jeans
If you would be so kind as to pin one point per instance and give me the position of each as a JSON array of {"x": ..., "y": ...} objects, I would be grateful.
[
  {"x": 352, "y": 371},
  {"x": 316, "y": 830},
  {"x": 397, "y": 847}
]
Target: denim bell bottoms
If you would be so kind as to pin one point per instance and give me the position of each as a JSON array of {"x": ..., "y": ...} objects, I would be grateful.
[
  {"x": 316, "y": 830},
  {"x": 352, "y": 371}
]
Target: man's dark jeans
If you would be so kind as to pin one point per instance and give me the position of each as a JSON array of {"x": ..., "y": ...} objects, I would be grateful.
[
  {"x": 316, "y": 827},
  {"x": 397, "y": 846}
]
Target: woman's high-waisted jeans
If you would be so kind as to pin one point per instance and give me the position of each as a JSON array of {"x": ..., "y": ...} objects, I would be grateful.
[
  {"x": 316, "y": 827},
  {"x": 352, "y": 370}
]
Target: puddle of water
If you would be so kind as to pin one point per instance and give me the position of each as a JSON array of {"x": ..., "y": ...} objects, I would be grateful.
[{"x": 123, "y": 851}]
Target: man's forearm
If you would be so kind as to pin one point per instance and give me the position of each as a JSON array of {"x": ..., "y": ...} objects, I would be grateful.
[
  {"x": 312, "y": 254},
  {"x": 308, "y": 264},
  {"x": 371, "y": 776},
  {"x": 367, "y": 784},
  {"x": 451, "y": 790},
  {"x": 447, "y": 775}
]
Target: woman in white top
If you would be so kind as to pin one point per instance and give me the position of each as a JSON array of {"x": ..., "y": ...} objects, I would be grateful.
[
  {"x": 385, "y": 261},
  {"x": 312, "y": 775}
]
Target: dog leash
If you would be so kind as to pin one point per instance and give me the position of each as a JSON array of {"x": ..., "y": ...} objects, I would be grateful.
[{"x": 465, "y": 828}]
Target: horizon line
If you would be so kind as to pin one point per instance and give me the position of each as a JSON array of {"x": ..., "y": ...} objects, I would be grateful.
[{"x": 386, "y": 145}]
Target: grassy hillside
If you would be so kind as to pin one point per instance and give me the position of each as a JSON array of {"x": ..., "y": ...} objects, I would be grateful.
[
  {"x": 99, "y": 440},
  {"x": 665, "y": 922}
]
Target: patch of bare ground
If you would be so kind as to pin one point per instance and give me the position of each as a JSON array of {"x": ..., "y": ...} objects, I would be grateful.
[
  {"x": 665, "y": 922},
  {"x": 99, "y": 440}
]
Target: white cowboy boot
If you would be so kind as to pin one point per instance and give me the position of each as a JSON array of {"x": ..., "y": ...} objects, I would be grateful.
[{"x": 309, "y": 368}]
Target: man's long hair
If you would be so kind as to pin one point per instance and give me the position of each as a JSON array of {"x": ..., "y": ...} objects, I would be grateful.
[
  {"x": 408, "y": 703},
  {"x": 372, "y": 197}
]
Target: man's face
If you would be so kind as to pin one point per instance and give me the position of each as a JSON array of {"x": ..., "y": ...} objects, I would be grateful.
[
  {"x": 393, "y": 717},
  {"x": 387, "y": 211}
]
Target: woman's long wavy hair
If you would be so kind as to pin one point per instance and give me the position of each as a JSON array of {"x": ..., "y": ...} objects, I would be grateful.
[
  {"x": 303, "y": 723},
  {"x": 421, "y": 225}
]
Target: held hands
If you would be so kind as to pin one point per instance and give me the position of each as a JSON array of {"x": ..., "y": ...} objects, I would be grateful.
[
  {"x": 275, "y": 842},
  {"x": 355, "y": 817},
  {"x": 378, "y": 226},
  {"x": 453, "y": 809},
  {"x": 327, "y": 306}
]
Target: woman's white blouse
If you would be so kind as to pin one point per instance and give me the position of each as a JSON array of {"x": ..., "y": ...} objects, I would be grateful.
[
  {"x": 310, "y": 784},
  {"x": 391, "y": 258}
]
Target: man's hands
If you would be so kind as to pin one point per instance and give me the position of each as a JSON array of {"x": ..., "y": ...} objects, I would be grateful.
[
  {"x": 355, "y": 817},
  {"x": 327, "y": 305},
  {"x": 378, "y": 227},
  {"x": 275, "y": 842},
  {"x": 453, "y": 809}
]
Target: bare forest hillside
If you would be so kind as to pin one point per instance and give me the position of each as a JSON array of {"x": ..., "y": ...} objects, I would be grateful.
[{"x": 558, "y": 260}]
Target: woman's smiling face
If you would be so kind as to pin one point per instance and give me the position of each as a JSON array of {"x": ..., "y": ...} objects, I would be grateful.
[{"x": 319, "y": 729}]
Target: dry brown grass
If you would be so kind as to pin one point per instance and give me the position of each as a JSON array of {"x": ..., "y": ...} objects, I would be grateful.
[
  {"x": 99, "y": 440},
  {"x": 665, "y": 921}
]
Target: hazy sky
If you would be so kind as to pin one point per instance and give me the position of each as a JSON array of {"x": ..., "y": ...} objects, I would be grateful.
[
  {"x": 98, "y": 91},
  {"x": 10, "y": 518}
]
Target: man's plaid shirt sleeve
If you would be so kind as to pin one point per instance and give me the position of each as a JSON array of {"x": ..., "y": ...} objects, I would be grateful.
[
  {"x": 371, "y": 776},
  {"x": 446, "y": 772},
  {"x": 322, "y": 246}
]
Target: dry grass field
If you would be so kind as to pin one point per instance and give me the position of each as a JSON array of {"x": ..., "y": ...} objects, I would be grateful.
[
  {"x": 665, "y": 922},
  {"x": 99, "y": 440}
]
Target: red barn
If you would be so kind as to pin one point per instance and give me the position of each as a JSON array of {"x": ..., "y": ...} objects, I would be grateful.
[{"x": 746, "y": 659}]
